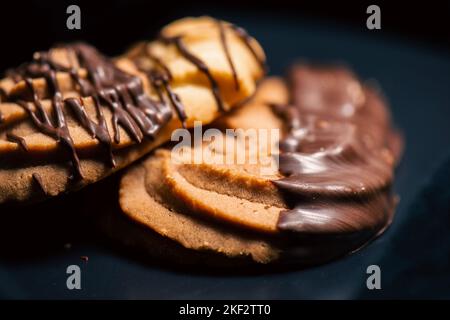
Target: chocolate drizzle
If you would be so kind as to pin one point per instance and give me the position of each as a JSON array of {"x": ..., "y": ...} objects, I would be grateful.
[
  {"x": 107, "y": 85},
  {"x": 226, "y": 50},
  {"x": 247, "y": 40},
  {"x": 96, "y": 130},
  {"x": 185, "y": 52},
  {"x": 160, "y": 77},
  {"x": 42, "y": 121},
  {"x": 99, "y": 81},
  {"x": 19, "y": 140},
  {"x": 337, "y": 156},
  {"x": 178, "y": 42}
]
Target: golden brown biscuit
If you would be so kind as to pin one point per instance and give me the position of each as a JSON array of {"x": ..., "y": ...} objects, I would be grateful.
[
  {"x": 72, "y": 116},
  {"x": 328, "y": 196}
]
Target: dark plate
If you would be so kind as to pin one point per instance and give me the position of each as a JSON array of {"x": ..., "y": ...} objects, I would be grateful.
[{"x": 413, "y": 254}]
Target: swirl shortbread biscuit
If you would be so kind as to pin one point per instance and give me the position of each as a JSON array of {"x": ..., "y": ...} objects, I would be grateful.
[{"x": 72, "y": 116}]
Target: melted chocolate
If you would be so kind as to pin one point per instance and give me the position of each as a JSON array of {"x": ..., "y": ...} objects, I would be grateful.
[
  {"x": 38, "y": 180},
  {"x": 160, "y": 81},
  {"x": 19, "y": 140},
  {"x": 60, "y": 132},
  {"x": 337, "y": 156},
  {"x": 108, "y": 86}
]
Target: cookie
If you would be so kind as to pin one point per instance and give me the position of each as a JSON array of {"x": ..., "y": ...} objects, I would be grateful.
[
  {"x": 328, "y": 195},
  {"x": 72, "y": 116}
]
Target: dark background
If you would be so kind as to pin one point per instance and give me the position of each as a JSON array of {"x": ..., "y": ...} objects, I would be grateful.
[{"x": 114, "y": 25}]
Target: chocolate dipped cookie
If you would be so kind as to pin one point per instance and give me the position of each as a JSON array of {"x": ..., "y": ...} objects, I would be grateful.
[
  {"x": 328, "y": 195},
  {"x": 72, "y": 116}
]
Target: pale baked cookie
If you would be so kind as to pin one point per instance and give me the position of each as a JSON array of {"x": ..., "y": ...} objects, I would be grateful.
[
  {"x": 72, "y": 116},
  {"x": 328, "y": 196}
]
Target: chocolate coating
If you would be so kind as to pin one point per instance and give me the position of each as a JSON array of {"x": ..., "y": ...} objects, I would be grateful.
[{"x": 338, "y": 156}]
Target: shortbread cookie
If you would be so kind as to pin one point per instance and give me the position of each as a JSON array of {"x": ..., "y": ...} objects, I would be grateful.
[
  {"x": 329, "y": 195},
  {"x": 72, "y": 116}
]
